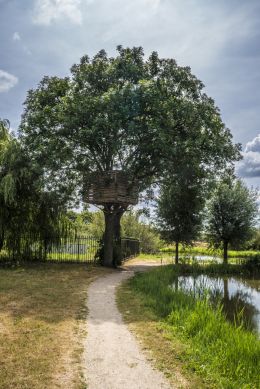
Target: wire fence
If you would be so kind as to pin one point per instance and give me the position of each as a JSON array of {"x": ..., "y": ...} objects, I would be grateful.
[{"x": 63, "y": 249}]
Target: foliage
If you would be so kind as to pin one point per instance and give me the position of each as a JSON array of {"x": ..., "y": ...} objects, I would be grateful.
[
  {"x": 122, "y": 113},
  {"x": 179, "y": 207},
  {"x": 26, "y": 207},
  {"x": 219, "y": 351},
  {"x": 232, "y": 212},
  {"x": 254, "y": 242},
  {"x": 132, "y": 226},
  {"x": 89, "y": 223}
]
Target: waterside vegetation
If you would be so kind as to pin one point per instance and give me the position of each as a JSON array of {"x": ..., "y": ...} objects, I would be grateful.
[{"x": 223, "y": 354}]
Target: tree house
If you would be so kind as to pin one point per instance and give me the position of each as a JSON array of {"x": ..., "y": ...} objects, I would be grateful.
[{"x": 112, "y": 187}]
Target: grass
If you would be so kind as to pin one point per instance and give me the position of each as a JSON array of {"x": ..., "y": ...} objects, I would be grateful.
[
  {"x": 41, "y": 325},
  {"x": 247, "y": 264},
  {"x": 202, "y": 250},
  {"x": 164, "y": 352},
  {"x": 190, "y": 332}
]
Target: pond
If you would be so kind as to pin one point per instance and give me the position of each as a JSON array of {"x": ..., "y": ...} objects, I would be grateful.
[
  {"x": 197, "y": 257},
  {"x": 239, "y": 297}
]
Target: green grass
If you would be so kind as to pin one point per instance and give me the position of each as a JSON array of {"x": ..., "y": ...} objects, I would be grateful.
[
  {"x": 42, "y": 324},
  {"x": 222, "y": 354},
  {"x": 249, "y": 266},
  {"x": 201, "y": 250}
]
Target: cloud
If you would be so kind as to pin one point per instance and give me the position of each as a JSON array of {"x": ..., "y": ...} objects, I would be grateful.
[
  {"x": 152, "y": 3},
  {"x": 7, "y": 81},
  {"x": 254, "y": 145},
  {"x": 250, "y": 165},
  {"x": 49, "y": 11},
  {"x": 16, "y": 36}
]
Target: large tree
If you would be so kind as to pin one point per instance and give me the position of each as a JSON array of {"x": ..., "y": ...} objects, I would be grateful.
[
  {"x": 232, "y": 213},
  {"x": 123, "y": 113}
]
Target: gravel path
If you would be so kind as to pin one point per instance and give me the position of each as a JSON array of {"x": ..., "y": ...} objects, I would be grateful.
[{"x": 113, "y": 358}]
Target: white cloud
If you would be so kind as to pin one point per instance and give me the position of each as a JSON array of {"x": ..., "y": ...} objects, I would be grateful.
[
  {"x": 48, "y": 11},
  {"x": 254, "y": 145},
  {"x": 16, "y": 36},
  {"x": 250, "y": 165},
  {"x": 7, "y": 81}
]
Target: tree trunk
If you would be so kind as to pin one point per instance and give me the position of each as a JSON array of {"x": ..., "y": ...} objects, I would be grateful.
[
  {"x": 117, "y": 256},
  {"x": 117, "y": 225},
  {"x": 225, "y": 289},
  {"x": 108, "y": 238},
  {"x": 225, "y": 257},
  {"x": 176, "y": 253}
]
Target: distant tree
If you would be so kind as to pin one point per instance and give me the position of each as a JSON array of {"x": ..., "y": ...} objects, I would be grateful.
[
  {"x": 179, "y": 207},
  {"x": 92, "y": 224},
  {"x": 134, "y": 226},
  {"x": 232, "y": 212},
  {"x": 126, "y": 113},
  {"x": 254, "y": 243}
]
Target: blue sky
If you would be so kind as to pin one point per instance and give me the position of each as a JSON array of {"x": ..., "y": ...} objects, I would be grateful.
[{"x": 219, "y": 40}]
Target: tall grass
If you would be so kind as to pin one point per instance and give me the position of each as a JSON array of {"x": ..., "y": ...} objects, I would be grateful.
[{"x": 220, "y": 351}]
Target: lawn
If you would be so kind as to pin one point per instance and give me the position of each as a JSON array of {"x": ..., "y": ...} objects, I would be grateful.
[{"x": 42, "y": 322}]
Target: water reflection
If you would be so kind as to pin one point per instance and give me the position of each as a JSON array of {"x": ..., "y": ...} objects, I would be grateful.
[
  {"x": 240, "y": 298},
  {"x": 199, "y": 258}
]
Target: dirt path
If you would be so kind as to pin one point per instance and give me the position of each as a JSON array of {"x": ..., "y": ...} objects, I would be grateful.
[{"x": 113, "y": 358}]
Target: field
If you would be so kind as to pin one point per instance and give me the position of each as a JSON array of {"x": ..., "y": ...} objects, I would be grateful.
[{"x": 41, "y": 325}]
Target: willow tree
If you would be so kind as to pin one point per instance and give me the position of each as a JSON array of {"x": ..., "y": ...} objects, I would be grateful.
[
  {"x": 27, "y": 210},
  {"x": 124, "y": 114}
]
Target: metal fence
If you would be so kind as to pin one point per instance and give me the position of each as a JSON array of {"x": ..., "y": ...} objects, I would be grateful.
[
  {"x": 63, "y": 249},
  {"x": 130, "y": 247}
]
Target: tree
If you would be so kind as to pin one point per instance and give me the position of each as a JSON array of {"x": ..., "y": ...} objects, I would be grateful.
[
  {"x": 27, "y": 210},
  {"x": 133, "y": 226},
  {"x": 123, "y": 114},
  {"x": 179, "y": 207},
  {"x": 232, "y": 211}
]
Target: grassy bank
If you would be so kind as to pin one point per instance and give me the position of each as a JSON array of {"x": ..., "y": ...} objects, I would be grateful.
[
  {"x": 240, "y": 266},
  {"x": 41, "y": 325},
  {"x": 202, "y": 250},
  {"x": 224, "y": 356}
]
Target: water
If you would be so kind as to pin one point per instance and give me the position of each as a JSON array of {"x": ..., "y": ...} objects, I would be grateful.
[
  {"x": 235, "y": 294},
  {"x": 202, "y": 258}
]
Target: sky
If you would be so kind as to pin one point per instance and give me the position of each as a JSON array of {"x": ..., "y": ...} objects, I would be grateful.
[{"x": 219, "y": 40}]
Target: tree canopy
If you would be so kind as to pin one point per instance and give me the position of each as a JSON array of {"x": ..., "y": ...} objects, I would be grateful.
[
  {"x": 232, "y": 212},
  {"x": 140, "y": 116},
  {"x": 180, "y": 205}
]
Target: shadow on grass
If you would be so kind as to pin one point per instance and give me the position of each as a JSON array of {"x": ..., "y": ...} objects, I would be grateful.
[{"x": 47, "y": 292}]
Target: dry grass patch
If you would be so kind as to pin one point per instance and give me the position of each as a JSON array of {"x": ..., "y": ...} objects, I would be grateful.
[
  {"x": 166, "y": 354},
  {"x": 42, "y": 316}
]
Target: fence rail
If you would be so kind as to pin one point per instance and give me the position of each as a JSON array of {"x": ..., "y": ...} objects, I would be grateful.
[{"x": 63, "y": 249}]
